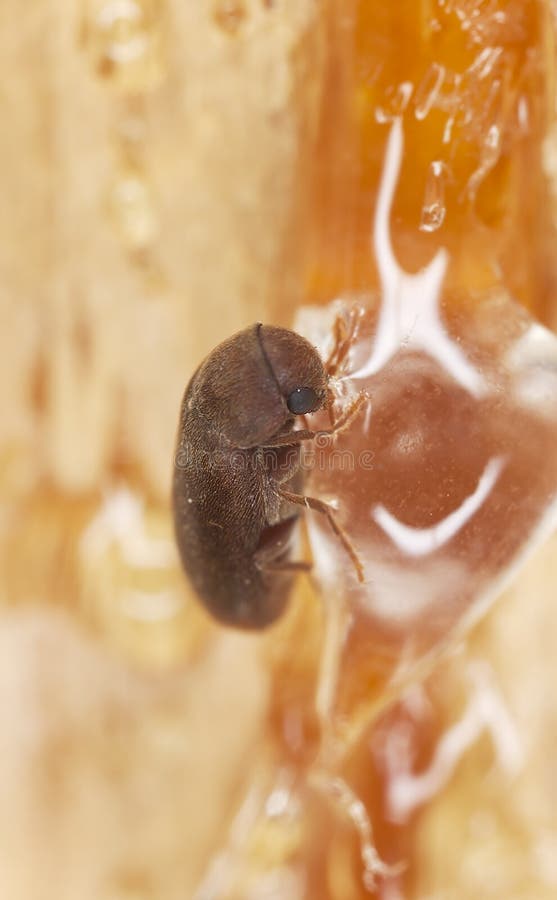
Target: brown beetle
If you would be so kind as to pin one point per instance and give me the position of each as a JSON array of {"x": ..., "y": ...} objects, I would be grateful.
[{"x": 237, "y": 470}]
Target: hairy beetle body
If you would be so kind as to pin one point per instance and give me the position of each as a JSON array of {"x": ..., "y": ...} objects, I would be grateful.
[{"x": 237, "y": 455}]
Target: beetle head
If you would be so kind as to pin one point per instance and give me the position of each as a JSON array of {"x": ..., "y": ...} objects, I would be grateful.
[{"x": 253, "y": 384}]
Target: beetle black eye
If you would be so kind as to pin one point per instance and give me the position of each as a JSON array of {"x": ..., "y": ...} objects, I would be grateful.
[{"x": 303, "y": 400}]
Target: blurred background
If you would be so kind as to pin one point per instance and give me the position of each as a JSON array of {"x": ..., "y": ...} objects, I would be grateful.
[{"x": 171, "y": 172}]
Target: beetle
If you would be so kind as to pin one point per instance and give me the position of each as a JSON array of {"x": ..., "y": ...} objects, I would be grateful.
[{"x": 237, "y": 473}]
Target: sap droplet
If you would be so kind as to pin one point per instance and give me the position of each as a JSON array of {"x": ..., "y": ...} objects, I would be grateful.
[
  {"x": 523, "y": 114},
  {"x": 230, "y": 15},
  {"x": 433, "y": 210},
  {"x": 124, "y": 41},
  {"x": 485, "y": 63},
  {"x": 493, "y": 140},
  {"x": 428, "y": 90},
  {"x": 132, "y": 208},
  {"x": 490, "y": 152},
  {"x": 396, "y": 101}
]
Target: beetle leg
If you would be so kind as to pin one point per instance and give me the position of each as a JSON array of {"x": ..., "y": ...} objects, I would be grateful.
[
  {"x": 349, "y": 414},
  {"x": 291, "y": 438},
  {"x": 338, "y": 351},
  {"x": 327, "y": 510},
  {"x": 344, "y": 335},
  {"x": 271, "y": 554},
  {"x": 342, "y": 423},
  {"x": 286, "y": 566},
  {"x": 330, "y": 407}
]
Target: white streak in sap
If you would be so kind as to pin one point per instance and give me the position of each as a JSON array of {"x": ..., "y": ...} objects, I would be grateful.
[
  {"x": 421, "y": 541},
  {"x": 409, "y": 311}
]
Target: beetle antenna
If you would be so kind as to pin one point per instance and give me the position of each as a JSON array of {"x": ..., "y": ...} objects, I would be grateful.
[{"x": 258, "y": 328}]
